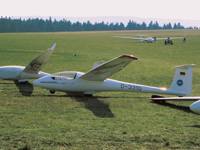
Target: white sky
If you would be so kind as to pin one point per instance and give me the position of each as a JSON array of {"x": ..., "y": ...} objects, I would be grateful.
[{"x": 164, "y": 9}]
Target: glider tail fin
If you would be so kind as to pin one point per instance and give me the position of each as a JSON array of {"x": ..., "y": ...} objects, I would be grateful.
[
  {"x": 141, "y": 40},
  {"x": 53, "y": 47},
  {"x": 183, "y": 80}
]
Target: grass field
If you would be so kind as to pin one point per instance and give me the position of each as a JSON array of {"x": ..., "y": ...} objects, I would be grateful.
[{"x": 32, "y": 118}]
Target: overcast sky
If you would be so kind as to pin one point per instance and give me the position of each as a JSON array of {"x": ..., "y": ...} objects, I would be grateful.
[{"x": 167, "y": 9}]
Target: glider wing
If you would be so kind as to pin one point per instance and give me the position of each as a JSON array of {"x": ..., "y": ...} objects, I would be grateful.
[
  {"x": 171, "y": 38},
  {"x": 129, "y": 38},
  {"x": 176, "y": 38},
  {"x": 38, "y": 62},
  {"x": 107, "y": 69},
  {"x": 175, "y": 98}
]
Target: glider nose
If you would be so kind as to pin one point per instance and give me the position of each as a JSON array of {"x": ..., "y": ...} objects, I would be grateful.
[
  {"x": 44, "y": 81},
  {"x": 195, "y": 107},
  {"x": 1, "y": 72}
]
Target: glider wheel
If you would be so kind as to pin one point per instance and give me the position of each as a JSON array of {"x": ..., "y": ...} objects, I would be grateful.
[
  {"x": 52, "y": 92},
  {"x": 88, "y": 95}
]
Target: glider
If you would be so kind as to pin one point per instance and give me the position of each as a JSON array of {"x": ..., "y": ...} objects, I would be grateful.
[
  {"x": 168, "y": 40},
  {"x": 195, "y": 107},
  {"x": 31, "y": 71},
  {"x": 97, "y": 80},
  {"x": 148, "y": 40}
]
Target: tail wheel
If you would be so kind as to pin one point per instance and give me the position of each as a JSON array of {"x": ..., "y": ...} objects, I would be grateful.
[
  {"x": 52, "y": 92},
  {"x": 24, "y": 82},
  {"x": 88, "y": 95}
]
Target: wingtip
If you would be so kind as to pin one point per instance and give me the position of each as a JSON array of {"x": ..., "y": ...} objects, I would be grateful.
[
  {"x": 53, "y": 47},
  {"x": 129, "y": 57}
]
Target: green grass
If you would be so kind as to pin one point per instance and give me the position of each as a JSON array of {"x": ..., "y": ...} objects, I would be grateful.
[{"x": 32, "y": 118}]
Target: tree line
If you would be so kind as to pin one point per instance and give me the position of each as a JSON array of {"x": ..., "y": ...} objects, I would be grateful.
[{"x": 49, "y": 25}]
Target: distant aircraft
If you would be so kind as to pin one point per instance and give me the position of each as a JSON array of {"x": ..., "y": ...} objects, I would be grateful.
[
  {"x": 31, "y": 71},
  {"x": 195, "y": 107},
  {"x": 168, "y": 40},
  {"x": 96, "y": 80}
]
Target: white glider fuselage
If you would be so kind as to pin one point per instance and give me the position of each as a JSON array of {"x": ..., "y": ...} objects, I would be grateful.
[
  {"x": 16, "y": 73},
  {"x": 195, "y": 107},
  {"x": 148, "y": 40},
  {"x": 64, "y": 84}
]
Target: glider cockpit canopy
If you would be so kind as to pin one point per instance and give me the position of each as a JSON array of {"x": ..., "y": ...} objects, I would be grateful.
[{"x": 64, "y": 76}]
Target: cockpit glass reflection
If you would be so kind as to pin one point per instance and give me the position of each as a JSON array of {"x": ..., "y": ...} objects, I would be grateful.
[{"x": 64, "y": 76}]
